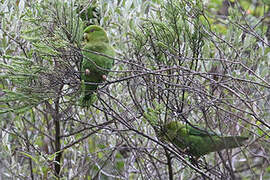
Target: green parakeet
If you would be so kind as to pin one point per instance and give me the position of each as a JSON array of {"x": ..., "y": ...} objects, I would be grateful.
[
  {"x": 197, "y": 142},
  {"x": 95, "y": 66}
]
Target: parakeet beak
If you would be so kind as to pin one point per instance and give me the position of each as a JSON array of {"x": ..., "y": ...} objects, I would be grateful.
[
  {"x": 84, "y": 39},
  {"x": 84, "y": 36}
]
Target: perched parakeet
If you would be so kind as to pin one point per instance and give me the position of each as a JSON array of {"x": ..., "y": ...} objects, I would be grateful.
[
  {"x": 197, "y": 142},
  {"x": 95, "y": 67}
]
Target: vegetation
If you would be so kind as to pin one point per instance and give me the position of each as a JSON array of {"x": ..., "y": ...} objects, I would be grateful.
[{"x": 194, "y": 62}]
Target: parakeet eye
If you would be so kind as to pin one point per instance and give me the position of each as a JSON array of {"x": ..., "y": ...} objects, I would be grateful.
[{"x": 92, "y": 30}]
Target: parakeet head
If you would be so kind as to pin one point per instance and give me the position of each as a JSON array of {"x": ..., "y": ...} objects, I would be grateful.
[
  {"x": 161, "y": 133},
  {"x": 95, "y": 33},
  {"x": 169, "y": 129}
]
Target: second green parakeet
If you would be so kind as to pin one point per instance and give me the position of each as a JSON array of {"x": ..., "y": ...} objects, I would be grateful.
[
  {"x": 197, "y": 142},
  {"x": 97, "y": 61}
]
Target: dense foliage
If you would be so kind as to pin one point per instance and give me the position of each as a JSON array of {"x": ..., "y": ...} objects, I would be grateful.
[{"x": 195, "y": 62}]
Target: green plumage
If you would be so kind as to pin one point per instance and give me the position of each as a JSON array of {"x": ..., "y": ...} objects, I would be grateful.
[
  {"x": 197, "y": 142},
  {"x": 95, "y": 67}
]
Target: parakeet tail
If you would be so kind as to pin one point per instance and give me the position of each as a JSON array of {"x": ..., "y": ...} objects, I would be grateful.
[
  {"x": 234, "y": 141},
  {"x": 88, "y": 100},
  {"x": 88, "y": 97}
]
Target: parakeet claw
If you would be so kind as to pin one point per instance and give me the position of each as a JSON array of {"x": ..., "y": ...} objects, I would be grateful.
[
  {"x": 87, "y": 72},
  {"x": 194, "y": 161},
  {"x": 104, "y": 77},
  {"x": 186, "y": 150}
]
